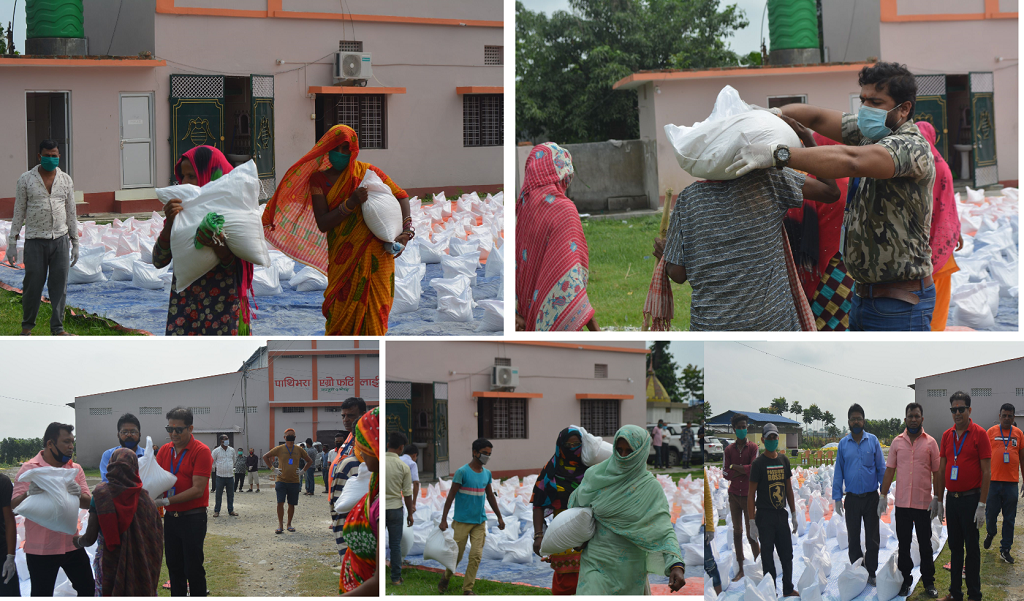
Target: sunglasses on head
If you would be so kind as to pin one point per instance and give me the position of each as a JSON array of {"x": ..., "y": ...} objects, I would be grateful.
[
  {"x": 175, "y": 429},
  {"x": 957, "y": 409}
]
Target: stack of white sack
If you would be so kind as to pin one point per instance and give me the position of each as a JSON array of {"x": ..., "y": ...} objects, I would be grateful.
[{"x": 988, "y": 261}]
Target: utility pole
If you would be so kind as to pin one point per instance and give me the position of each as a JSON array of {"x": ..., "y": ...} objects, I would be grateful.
[{"x": 245, "y": 407}]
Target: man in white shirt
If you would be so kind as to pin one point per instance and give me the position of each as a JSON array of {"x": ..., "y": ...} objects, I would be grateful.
[
  {"x": 44, "y": 202},
  {"x": 409, "y": 458},
  {"x": 224, "y": 470}
]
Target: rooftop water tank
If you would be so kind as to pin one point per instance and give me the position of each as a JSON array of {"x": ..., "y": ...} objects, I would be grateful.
[
  {"x": 793, "y": 32},
  {"x": 55, "y": 28}
]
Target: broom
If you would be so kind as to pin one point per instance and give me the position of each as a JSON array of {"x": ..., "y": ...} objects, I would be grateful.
[{"x": 659, "y": 303}]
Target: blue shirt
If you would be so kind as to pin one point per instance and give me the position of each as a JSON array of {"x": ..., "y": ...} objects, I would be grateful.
[
  {"x": 105, "y": 459},
  {"x": 860, "y": 465},
  {"x": 469, "y": 502}
]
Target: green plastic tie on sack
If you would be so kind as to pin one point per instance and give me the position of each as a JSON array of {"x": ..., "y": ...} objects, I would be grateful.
[{"x": 213, "y": 224}]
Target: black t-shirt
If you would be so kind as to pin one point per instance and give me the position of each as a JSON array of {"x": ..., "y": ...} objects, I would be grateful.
[
  {"x": 6, "y": 490},
  {"x": 771, "y": 476}
]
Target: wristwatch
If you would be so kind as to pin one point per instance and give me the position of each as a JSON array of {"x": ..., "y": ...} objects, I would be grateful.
[{"x": 781, "y": 156}]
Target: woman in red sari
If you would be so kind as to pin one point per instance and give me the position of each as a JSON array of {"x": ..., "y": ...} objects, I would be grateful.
[
  {"x": 552, "y": 261},
  {"x": 945, "y": 232},
  {"x": 318, "y": 196}
]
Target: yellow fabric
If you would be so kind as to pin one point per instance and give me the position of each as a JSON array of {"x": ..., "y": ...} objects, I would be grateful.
[
  {"x": 475, "y": 534},
  {"x": 709, "y": 514},
  {"x": 399, "y": 481}
]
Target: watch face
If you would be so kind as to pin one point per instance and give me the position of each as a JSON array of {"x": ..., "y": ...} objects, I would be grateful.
[{"x": 783, "y": 154}]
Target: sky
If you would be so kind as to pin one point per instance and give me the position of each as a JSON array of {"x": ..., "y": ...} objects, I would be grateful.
[
  {"x": 6, "y": 8},
  {"x": 686, "y": 353},
  {"x": 745, "y": 40},
  {"x": 738, "y": 378},
  {"x": 51, "y": 373}
]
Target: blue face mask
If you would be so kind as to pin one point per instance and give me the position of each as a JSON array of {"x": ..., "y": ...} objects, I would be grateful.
[
  {"x": 771, "y": 445},
  {"x": 913, "y": 430},
  {"x": 129, "y": 443},
  {"x": 871, "y": 122},
  {"x": 49, "y": 163},
  {"x": 339, "y": 160},
  {"x": 856, "y": 430}
]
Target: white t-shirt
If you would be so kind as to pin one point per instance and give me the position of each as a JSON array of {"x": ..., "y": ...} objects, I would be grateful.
[{"x": 412, "y": 467}]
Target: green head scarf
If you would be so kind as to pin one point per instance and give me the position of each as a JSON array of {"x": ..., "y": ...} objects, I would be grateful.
[{"x": 629, "y": 501}]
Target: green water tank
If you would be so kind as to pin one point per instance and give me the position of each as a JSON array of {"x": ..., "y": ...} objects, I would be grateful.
[
  {"x": 54, "y": 19},
  {"x": 793, "y": 31}
]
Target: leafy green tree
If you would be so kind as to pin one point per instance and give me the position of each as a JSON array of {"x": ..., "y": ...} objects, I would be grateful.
[
  {"x": 833, "y": 431},
  {"x": 828, "y": 418},
  {"x": 17, "y": 450},
  {"x": 769, "y": 409},
  {"x": 693, "y": 381},
  {"x": 780, "y": 404},
  {"x": 813, "y": 412},
  {"x": 567, "y": 63},
  {"x": 796, "y": 409},
  {"x": 3, "y": 40},
  {"x": 706, "y": 405},
  {"x": 666, "y": 370}
]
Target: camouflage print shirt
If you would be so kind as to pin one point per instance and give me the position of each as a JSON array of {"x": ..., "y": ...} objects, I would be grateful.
[{"x": 888, "y": 220}]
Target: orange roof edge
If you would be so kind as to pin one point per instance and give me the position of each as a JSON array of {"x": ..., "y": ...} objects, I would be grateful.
[
  {"x": 353, "y": 90},
  {"x": 637, "y": 79},
  {"x": 620, "y": 397},
  {"x": 479, "y": 90},
  {"x": 82, "y": 62},
  {"x": 579, "y": 347},
  {"x": 506, "y": 395}
]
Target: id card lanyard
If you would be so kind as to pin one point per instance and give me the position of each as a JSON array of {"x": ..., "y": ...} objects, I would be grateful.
[
  {"x": 956, "y": 453},
  {"x": 290, "y": 460},
  {"x": 1006, "y": 443},
  {"x": 175, "y": 468}
]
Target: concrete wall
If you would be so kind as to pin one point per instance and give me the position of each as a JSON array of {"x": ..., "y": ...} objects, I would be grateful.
[
  {"x": 556, "y": 372},
  {"x": 959, "y": 47},
  {"x": 118, "y": 28},
  {"x": 1005, "y": 379},
  {"x": 850, "y": 30}
]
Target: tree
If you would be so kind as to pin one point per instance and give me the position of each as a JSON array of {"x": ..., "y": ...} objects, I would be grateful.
[
  {"x": 796, "y": 409},
  {"x": 706, "y": 406},
  {"x": 833, "y": 431},
  {"x": 828, "y": 418},
  {"x": 780, "y": 404},
  {"x": 693, "y": 381},
  {"x": 813, "y": 413},
  {"x": 567, "y": 63},
  {"x": 769, "y": 409},
  {"x": 3, "y": 41},
  {"x": 16, "y": 450},
  {"x": 665, "y": 369}
]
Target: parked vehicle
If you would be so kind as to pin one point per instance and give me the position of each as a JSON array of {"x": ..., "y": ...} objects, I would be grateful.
[{"x": 712, "y": 449}]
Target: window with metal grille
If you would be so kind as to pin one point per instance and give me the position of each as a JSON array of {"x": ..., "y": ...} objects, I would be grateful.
[
  {"x": 240, "y": 409},
  {"x": 501, "y": 418},
  {"x": 365, "y": 113},
  {"x": 937, "y": 393},
  {"x": 294, "y": 409},
  {"x": 350, "y": 46},
  {"x": 502, "y": 361},
  {"x": 1020, "y": 392},
  {"x": 199, "y": 410},
  {"x": 600, "y": 371},
  {"x": 331, "y": 409},
  {"x": 494, "y": 55},
  {"x": 151, "y": 410},
  {"x": 981, "y": 392},
  {"x": 100, "y": 410},
  {"x": 483, "y": 120},
  {"x": 335, "y": 356},
  {"x": 600, "y": 415}
]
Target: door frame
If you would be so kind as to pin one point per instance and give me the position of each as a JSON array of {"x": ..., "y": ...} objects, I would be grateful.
[
  {"x": 152, "y": 137},
  {"x": 67, "y": 120},
  {"x": 441, "y": 430}
]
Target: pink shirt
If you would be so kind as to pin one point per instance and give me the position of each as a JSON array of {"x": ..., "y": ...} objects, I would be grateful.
[
  {"x": 39, "y": 540},
  {"x": 915, "y": 462},
  {"x": 657, "y": 436}
]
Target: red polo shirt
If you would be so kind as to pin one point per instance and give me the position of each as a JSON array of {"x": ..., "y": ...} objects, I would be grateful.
[
  {"x": 195, "y": 460},
  {"x": 975, "y": 448}
]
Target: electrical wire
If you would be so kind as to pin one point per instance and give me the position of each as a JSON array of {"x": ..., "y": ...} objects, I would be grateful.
[
  {"x": 849, "y": 33},
  {"x": 112, "y": 33},
  {"x": 821, "y": 370},
  {"x": 33, "y": 402}
]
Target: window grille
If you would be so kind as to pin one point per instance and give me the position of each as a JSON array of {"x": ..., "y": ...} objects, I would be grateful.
[
  {"x": 293, "y": 409},
  {"x": 600, "y": 370},
  {"x": 240, "y": 409},
  {"x": 981, "y": 392},
  {"x": 335, "y": 356},
  {"x": 937, "y": 393},
  {"x": 483, "y": 121},
  {"x": 365, "y": 113},
  {"x": 199, "y": 410},
  {"x": 1020, "y": 392},
  {"x": 502, "y": 362},
  {"x": 600, "y": 417},
  {"x": 151, "y": 410},
  {"x": 332, "y": 409},
  {"x": 509, "y": 418},
  {"x": 350, "y": 46},
  {"x": 493, "y": 55},
  {"x": 100, "y": 410}
]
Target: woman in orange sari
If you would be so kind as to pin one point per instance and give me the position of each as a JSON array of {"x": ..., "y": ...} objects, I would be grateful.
[{"x": 319, "y": 197}]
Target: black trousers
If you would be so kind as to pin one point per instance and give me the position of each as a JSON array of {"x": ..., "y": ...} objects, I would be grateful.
[
  {"x": 183, "y": 551},
  {"x": 42, "y": 569},
  {"x": 773, "y": 531},
  {"x": 858, "y": 509},
  {"x": 963, "y": 532},
  {"x": 907, "y": 520},
  {"x": 239, "y": 481}
]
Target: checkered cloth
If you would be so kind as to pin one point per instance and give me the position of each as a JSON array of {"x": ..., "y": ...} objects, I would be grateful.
[
  {"x": 658, "y": 307},
  {"x": 831, "y": 302},
  {"x": 803, "y": 309}
]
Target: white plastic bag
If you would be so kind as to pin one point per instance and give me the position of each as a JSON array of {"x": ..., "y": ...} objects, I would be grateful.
[
  {"x": 235, "y": 196},
  {"x": 407, "y": 294},
  {"x": 494, "y": 316},
  {"x": 888, "y": 580},
  {"x": 155, "y": 479},
  {"x": 121, "y": 268},
  {"x": 87, "y": 270},
  {"x": 595, "y": 450},
  {"x": 55, "y": 509},
  {"x": 381, "y": 211},
  {"x": 853, "y": 580},
  {"x": 146, "y": 276},
  {"x": 411, "y": 254},
  {"x": 495, "y": 262},
  {"x": 442, "y": 548},
  {"x": 569, "y": 530},
  {"x": 265, "y": 281},
  {"x": 753, "y": 568},
  {"x": 971, "y": 308},
  {"x": 308, "y": 279},
  {"x": 406, "y": 544},
  {"x": 457, "y": 308},
  {"x": 464, "y": 264},
  {"x": 431, "y": 252},
  {"x": 457, "y": 248},
  {"x": 708, "y": 148},
  {"x": 687, "y": 527},
  {"x": 764, "y": 591},
  {"x": 812, "y": 578},
  {"x": 521, "y": 551},
  {"x": 450, "y": 286},
  {"x": 355, "y": 489}
]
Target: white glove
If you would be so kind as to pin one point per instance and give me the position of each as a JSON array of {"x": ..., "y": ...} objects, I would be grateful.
[
  {"x": 839, "y": 506},
  {"x": 12, "y": 250},
  {"x": 34, "y": 489},
  {"x": 979, "y": 516},
  {"x": 752, "y": 530},
  {"x": 74, "y": 252},
  {"x": 795, "y": 527},
  {"x": 883, "y": 504},
  {"x": 775, "y": 111},
  {"x": 753, "y": 156},
  {"x": 74, "y": 489},
  {"x": 708, "y": 537},
  {"x": 9, "y": 569},
  {"x": 275, "y": 472},
  {"x": 162, "y": 502},
  {"x": 935, "y": 509}
]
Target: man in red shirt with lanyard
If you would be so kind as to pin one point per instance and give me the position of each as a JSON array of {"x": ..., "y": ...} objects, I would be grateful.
[
  {"x": 185, "y": 504},
  {"x": 965, "y": 462},
  {"x": 1007, "y": 461}
]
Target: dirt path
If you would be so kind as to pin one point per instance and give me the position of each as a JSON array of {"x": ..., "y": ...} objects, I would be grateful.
[{"x": 1015, "y": 588}]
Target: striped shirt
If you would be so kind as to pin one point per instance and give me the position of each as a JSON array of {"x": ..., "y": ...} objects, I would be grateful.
[
  {"x": 469, "y": 503},
  {"x": 728, "y": 236},
  {"x": 345, "y": 468}
]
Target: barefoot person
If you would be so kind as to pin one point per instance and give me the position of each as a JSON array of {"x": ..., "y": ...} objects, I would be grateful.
[{"x": 738, "y": 457}]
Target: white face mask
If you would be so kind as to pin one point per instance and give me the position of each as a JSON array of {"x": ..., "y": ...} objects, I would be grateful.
[
  {"x": 224, "y": 443},
  {"x": 484, "y": 459}
]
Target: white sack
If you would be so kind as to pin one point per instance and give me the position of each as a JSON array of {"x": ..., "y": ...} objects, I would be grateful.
[
  {"x": 308, "y": 279},
  {"x": 87, "y": 270},
  {"x": 404, "y": 270},
  {"x": 765, "y": 591},
  {"x": 456, "y": 308},
  {"x": 381, "y": 211},
  {"x": 465, "y": 264},
  {"x": 753, "y": 569},
  {"x": 355, "y": 489},
  {"x": 853, "y": 580},
  {"x": 495, "y": 263},
  {"x": 441, "y": 547},
  {"x": 811, "y": 578},
  {"x": 431, "y": 252},
  {"x": 406, "y": 544},
  {"x": 494, "y": 316},
  {"x": 121, "y": 268},
  {"x": 265, "y": 281},
  {"x": 521, "y": 551},
  {"x": 569, "y": 530},
  {"x": 411, "y": 254},
  {"x": 595, "y": 450},
  {"x": 55, "y": 509},
  {"x": 450, "y": 286},
  {"x": 888, "y": 580},
  {"x": 155, "y": 479},
  {"x": 407, "y": 294},
  {"x": 146, "y": 276},
  {"x": 971, "y": 308}
]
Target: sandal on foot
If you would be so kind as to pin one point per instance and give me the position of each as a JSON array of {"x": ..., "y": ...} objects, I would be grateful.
[
  {"x": 442, "y": 586},
  {"x": 279, "y": 531},
  {"x": 290, "y": 529}
]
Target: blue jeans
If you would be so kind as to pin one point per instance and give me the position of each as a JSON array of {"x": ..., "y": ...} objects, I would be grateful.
[
  {"x": 1002, "y": 496},
  {"x": 710, "y": 566},
  {"x": 311, "y": 481},
  {"x": 892, "y": 315},
  {"x": 657, "y": 456},
  {"x": 222, "y": 483},
  {"x": 394, "y": 519}
]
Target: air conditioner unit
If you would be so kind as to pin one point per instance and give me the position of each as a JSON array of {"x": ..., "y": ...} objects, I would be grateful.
[
  {"x": 352, "y": 67},
  {"x": 503, "y": 376}
]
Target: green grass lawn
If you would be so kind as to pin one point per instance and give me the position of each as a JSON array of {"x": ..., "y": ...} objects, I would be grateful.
[
  {"x": 995, "y": 573},
  {"x": 621, "y": 266},
  {"x": 223, "y": 576},
  {"x": 317, "y": 579},
  {"x": 423, "y": 582},
  {"x": 81, "y": 324}
]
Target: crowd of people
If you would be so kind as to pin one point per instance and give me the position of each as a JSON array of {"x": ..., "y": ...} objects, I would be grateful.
[
  {"x": 968, "y": 478},
  {"x": 135, "y": 535}
]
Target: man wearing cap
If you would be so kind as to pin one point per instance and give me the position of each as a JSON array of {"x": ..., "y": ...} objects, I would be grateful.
[
  {"x": 770, "y": 483},
  {"x": 860, "y": 466},
  {"x": 288, "y": 456}
]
